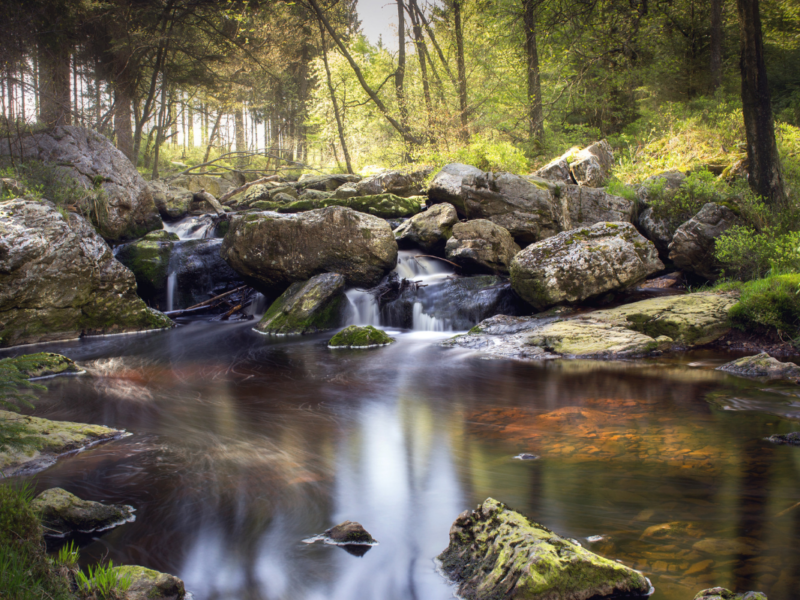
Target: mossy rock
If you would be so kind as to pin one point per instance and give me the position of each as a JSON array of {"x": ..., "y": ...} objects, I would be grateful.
[
  {"x": 42, "y": 364},
  {"x": 161, "y": 235},
  {"x": 497, "y": 553},
  {"x": 147, "y": 584},
  {"x": 306, "y": 307},
  {"x": 385, "y": 206},
  {"x": 719, "y": 593},
  {"x": 63, "y": 513},
  {"x": 355, "y": 336},
  {"x": 300, "y": 206}
]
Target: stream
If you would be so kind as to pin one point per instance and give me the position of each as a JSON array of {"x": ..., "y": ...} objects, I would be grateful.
[{"x": 244, "y": 445}]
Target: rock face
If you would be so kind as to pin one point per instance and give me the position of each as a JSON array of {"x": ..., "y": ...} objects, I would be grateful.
[
  {"x": 495, "y": 552},
  {"x": 63, "y": 513},
  {"x": 308, "y": 307},
  {"x": 274, "y": 251},
  {"x": 173, "y": 202},
  {"x": 692, "y": 247},
  {"x": 59, "y": 279},
  {"x": 360, "y": 337},
  {"x": 147, "y": 584},
  {"x": 392, "y": 182},
  {"x": 349, "y": 532},
  {"x": 592, "y": 165},
  {"x": 531, "y": 209},
  {"x": 480, "y": 246},
  {"x": 126, "y": 208},
  {"x": 556, "y": 170},
  {"x": 583, "y": 263},
  {"x": 719, "y": 593},
  {"x": 635, "y": 329},
  {"x": 762, "y": 366},
  {"x": 428, "y": 230}
]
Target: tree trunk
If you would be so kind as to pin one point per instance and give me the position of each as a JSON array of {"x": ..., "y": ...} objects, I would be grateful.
[
  {"x": 535, "y": 119},
  {"x": 400, "y": 73},
  {"x": 438, "y": 48},
  {"x": 10, "y": 93},
  {"x": 122, "y": 124},
  {"x": 241, "y": 144},
  {"x": 716, "y": 44},
  {"x": 462, "y": 70},
  {"x": 213, "y": 135},
  {"x": 54, "y": 67},
  {"x": 332, "y": 91},
  {"x": 762, "y": 151},
  {"x": 419, "y": 44}
]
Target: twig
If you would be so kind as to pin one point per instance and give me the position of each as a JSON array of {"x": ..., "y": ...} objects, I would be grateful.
[{"x": 437, "y": 257}]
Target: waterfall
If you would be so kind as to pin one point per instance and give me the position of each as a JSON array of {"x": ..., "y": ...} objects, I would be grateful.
[
  {"x": 364, "y": 309},
  {"x": 424, "y": 322},
  {"x": 192, "y": 228},
  {"x": 172, "y": 280}
]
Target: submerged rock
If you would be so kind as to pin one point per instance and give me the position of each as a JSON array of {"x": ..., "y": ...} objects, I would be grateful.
[
  {"x": 789, "y": 439},
  {"x": 307, "y": 307},
  {"x": 762, "y": 366},
  {"x": 719, "y": 593},
  {"x": 349, "y": 532},
  {"x": 41, "y": 364},
  {"x": 59, "y": 279},
  {"x": 360, "y": 337},
  {"x": 63, "y": 513},
  {"x": 273, "y": 251},
  {"x": 480, "y": 246},
  {"x": 495, "y": 552},
  {"x": 86, "y": 159},
  {"x": 147, "y": 584},
  {"x": 580, "y": 264},
  {"x": 692, "y": 246},
  {"x": 428, "y": 230}
]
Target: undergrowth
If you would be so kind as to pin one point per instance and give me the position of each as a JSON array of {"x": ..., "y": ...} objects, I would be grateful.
[{"x": 768, "y": 304}]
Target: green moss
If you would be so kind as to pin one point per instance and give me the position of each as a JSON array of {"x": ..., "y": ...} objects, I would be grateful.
[
  {"x": 41, "y": 364},
  {"x": 475, "y": 330},
  {"x": 769, "y": 304},
  {"x": 360, "y": 337}
]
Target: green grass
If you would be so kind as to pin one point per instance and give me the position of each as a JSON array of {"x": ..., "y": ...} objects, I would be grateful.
[
  {"x": 102, "y": 582},
  {"x": 770, "y": 305}
]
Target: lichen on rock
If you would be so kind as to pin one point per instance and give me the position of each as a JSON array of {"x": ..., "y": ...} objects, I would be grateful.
[
  {"x": 496, "y": 553},
  {"x": 147, "y": 584},
  {"x": 306, "y": 307},
  {"x": 63, "y": 513},
  {"x": 762, "y": 366},
  {"x": 355, "y": 336},
  {"x": 42, "y": 364}
]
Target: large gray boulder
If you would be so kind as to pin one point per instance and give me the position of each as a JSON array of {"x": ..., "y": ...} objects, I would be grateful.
[
  {"x": 307, "y": 307},
  {"x": 556, "y": 170},
  {"x": 63, "y": 513},
  {"x": 398, "y": 183},
  {"x": 275, "y": 250},
  {"x": 480, "y": 246},
  {"x": 719, "y": 593},
  {"x": 446, "y": 186},
  {"x": 582, "y": 263},
  {"x": 591, "y": 166},
  {"x": 216, "y": 186},
  {"x": 428, "y": 230},
  {"x": 173, "y": 202},
  {"x": 585, "y": 206},
  {"x": 59, "y": 279},
  {"x": 123, "y": 207},
  {"x": 762, "y": 366},
  {"x": 495, "y": 552},
  {"x": 692, "y": 246},
  {"x": 325, "y": 183}
]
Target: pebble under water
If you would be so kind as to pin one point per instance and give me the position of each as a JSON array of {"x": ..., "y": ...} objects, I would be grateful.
[{"x": 243, "y": 446}]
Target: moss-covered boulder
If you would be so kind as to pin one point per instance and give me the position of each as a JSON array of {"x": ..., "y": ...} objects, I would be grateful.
[
  {"x": 147, "y": 584},
  {"x": 588, "y": 338},
  {"x": 480, "y": 246},
  {"x": 591, "y": 166},
  {"x": 355, "y": 336},
  {"x": 148, "y": 260},
  {"x": 59, "y": 279},
  {"x": 216, "y": 186},
  {"x": 63, "y": 513},
  {"x": 719, "y": 593},
  {"x": 385, "y": 206},
  {"x": 428, "y": 230},
  {"x": 173, "y": 202},
  {"x": 42, "y": 364},
  {"x": 583, "y": 263},
  {"x": 273, "y": 251},
  {"x": 41, "y": 441},
  {"x": 495, "y": 552},
  {"x": 762, "y": 366},
  {"x": 307, "y": 307}
]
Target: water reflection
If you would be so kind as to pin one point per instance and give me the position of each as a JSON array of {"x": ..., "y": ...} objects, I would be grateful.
[{"x": 245, "y": 445}]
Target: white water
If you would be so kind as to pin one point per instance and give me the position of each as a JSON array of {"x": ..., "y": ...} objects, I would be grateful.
[
  {"x": 172, "y": 281},
  {"x": 364, "y": 309},
  {"x": 192, "y": 228}
]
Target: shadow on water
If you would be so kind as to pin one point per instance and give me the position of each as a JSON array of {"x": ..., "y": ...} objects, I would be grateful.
[{"x": 244, "y": 445}]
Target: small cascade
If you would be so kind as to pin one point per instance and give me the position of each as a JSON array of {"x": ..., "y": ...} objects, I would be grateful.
[
  {"x": 425, "y": 322},
  {"x": 364, "y": 309},
  {"x": 192, "y": 228},
  {"x": 412, "y": 265},
  {"x": 172, "y": 284},
  {"x": 258, "y": 307}
]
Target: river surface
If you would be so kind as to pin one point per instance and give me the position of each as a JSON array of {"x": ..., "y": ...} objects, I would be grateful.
[{"x": 244, "y": 445}]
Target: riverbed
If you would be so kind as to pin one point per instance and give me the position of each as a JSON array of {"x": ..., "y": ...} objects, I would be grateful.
[{"x": 244, "y": 445}]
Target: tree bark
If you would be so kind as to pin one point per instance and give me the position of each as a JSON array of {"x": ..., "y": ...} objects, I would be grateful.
[
  {"x": 123, "y": 125},
  {"x": 241, "y": 144},
  {"x": 535, "y": 117},
  {"x": 431, "y": 35},
  {"x": 54, "y": 68},
  {"x": 716, "y": 44},
  {"x": 462, "y": 70},
  {"x": 400, "y": 73},
  {"x": 332, "y": 91},
  {"x": 762, "y": 151},
  {"x": 212, "y": 135},
  {"x": 419, "y": 43}
]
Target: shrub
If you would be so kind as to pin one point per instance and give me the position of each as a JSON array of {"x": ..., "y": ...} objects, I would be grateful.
[
  {"x": 616, "y": 188},
  {"x": 698, "y": 189},
  {"x": 771, "y": 304},
  {"x": 749, "y": 254}
]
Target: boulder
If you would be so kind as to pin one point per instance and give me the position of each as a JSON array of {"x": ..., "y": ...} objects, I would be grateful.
[
  {"x": 480, "y": 246},
  {"x": 719, "y": 593},
  {"x": 273, "y": 251},
  {"x": 495, "y": 552},
  {"x": 583, "y": 263},
  {"x": 59, "y": 279},
  {"x": 397, "y": 183},
  {"x": 692, "y": 246},
  {"x": 385, "y": 206},
  {"x": 446, "y": 186},
  {"x": 660, "y": 187},
  {"x": 349, "y": 532},
  {"x": 762, "y": 366},
  {"x": 556, "y": 170},
  {"x": 346, "y": 191},
  {"x": 123, "y": 208},
  {"x": 64, "y": 514},
  {"x": 587, "y": 338},
  {"x": 585, "y": 206},
  {"x": 326, "y": 183},
  {"x": 147, "y": 584},
  {"x": 355, "y": 336},
  {"x": 312, "y": 194},
  {"x": 42, "y": 364},
  {"x": 173, "y": 202},
  {"x": 307, "y": 307},
  {"x": 658, "y": 229},
  {"x": 428, "y": 230},
  {"x": 591, "y": 166},
  {"x": 216, "y": 186}
]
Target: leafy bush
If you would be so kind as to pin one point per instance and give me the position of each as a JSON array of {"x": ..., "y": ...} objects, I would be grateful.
[
  {"x": 616, "y": 188},
  {"x": 749, "y": 254},
  {"x": 102, "y": 582},
  {"x": 698, "y": 189},
  {"x": 481, "y": 152},
  {"x": 771, "y": 304}
]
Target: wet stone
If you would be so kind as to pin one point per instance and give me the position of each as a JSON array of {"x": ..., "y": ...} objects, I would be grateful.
[
  {"x": 349, "y": 532},
  {"x": 719, "y": 593},
  {"x": 63, "y": 513},
  {"x": 792, "y": 439}
]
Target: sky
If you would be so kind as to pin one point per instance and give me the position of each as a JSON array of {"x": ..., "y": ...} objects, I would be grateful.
[{"x": 379, "y": 18}]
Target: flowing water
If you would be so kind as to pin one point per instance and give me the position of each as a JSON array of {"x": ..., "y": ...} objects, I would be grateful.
[{"x": 245, "y": 445}]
